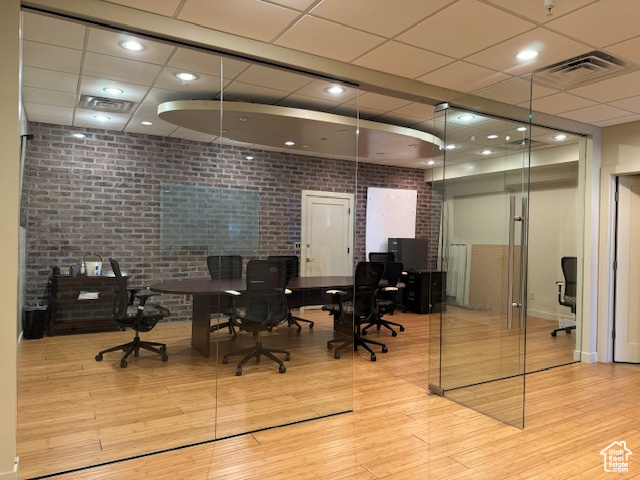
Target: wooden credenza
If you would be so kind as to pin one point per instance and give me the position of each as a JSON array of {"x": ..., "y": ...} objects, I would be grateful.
[{"x": 69, "y": 313}]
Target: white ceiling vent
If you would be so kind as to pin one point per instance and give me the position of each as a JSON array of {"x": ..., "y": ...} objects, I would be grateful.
[
  {"x": 582, "y": 70},
  {"x": 108, "y": 105}
]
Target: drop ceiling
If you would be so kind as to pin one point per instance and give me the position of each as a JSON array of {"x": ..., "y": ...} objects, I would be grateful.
[{"x": 464, "y": 45}]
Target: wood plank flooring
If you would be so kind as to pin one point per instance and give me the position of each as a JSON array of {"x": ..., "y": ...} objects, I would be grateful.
[{"x": 74, "y": 411}]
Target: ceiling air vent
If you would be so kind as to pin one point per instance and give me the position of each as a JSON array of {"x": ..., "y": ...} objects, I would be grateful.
[
  {"x": 582, "y": 70},
  {"x": 109, "y": 105},
  {"x": 520, "y": 144}
]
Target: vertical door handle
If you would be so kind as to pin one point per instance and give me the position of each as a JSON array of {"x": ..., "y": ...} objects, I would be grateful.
[{"x": 513, "y": 218}]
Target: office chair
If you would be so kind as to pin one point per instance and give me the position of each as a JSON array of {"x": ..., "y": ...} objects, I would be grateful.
[
  {"x": 387, "y": 298},
  {"x": 362, "y": 308},
  {"x": 222, "y": 267},
  {"x": 293, "y": 270},
  {"x": 568, "y": 299},
  {"x": 142, "y": 318},
  {"x": 265, "y": 306},
  {"x": 382, "y": 257}
]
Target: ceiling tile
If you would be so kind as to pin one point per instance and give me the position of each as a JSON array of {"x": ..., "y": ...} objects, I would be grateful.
[
  {"x": 536, "y": 12},
  {"x": 62, "y": 120},
  {"x": 595, "y": 113},
  {"x": 47, "y": 110},
  {"x": 457, "y": 32},
  {"x": 631, "y": 104},
  {"x": 274, "y": 78},
  {"x": 243, "y": 92},
  {"x": 463, "y": 77},
  {"x": 629, "y": 50},
  {"x": 95, "y": 86},
  {"x": 194, "y": 61},
  {"x": 161, "y": 7},
  {"x": 400, "y": 59},
  {"x": 156, "y": 96},
  {"x": 420, "y": 111},
  {"x": 300, "y": 5},
  {"x": 617, "y": 121},
  {"x": 159, "y": 127},
  {"x": 553, "y": 48},
  {"x": 382, "y": 103},
  {"x": 611, "y": 89},
  {"x": 51, "y": 57},
  {"x": 378, "y": 16},
  {"x": 109, "y": 43},
  {"x": 559, "y": 102},
  {"x": 601, "y": 24},
  {"x": 49, "y": 79},
  {"x": 264, "y": 22},
  {"x": 310, "y": 103},
  {"x": 328, "y": 39},
  {"x": 48, "y": 97},
  {"x": 43, "y": 29},
  {"x": 515, "y": 91},
  {"x": 318, "y": 89},
  {"x": 112, "y": 68}
]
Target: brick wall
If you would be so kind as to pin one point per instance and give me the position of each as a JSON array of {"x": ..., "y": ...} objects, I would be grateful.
[{"x": 102, "y": 194}]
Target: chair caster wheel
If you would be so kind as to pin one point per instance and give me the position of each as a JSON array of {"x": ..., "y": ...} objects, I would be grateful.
[
  {"x": 165, "y": 357},
  {"x": 287, "y": 357},
  {"x": 402, "y": 329},
  {"x": 299, "y": 329},
  {"x": 163, "y": 349},
  {"x": 373, "y": 357},
  {"x": 568, "y": 330},
  {"x": 225, "y": 360},
  {"x": 329, "y": 346},
  {"x": 553, "y": 334},
  {"x": 394, "y": 334},
  {"x": 363, "y": 333},
  {"x": 282, "y": 368},
  {"x": 99, "y": 357},
  {"x": 311, "y": 325},
  {"x": 336, "y": 355},
  {"x": 238, "y": 371},
  {"x": 123, "y": 364},
  {"x": 384, "y": 350}
]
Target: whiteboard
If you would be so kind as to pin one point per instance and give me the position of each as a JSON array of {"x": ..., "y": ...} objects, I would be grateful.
[{"x": 391, "y": 212}]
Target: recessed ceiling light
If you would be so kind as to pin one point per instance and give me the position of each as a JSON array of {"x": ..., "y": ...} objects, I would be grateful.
[
  {"x": 431, "y": 162},
  {"x": 522, "y": 129},
  {"x": 413, "y": 145},
  {"x": 486, "y": 152},
  {"x": 492, "y": 136},
  {"x": 243, "y": 119},
  {"x": 466, "y": 117},
  {"x": 132, "y": 45},
  {"x": 186, "y": 76},
  {"x": 334, "y": 89},
  {"x": 451, "y": 147},
  {"x": 560, "y": 137},
  {"x": 78, "y": 135},
  {"x": 249, "y": 157},
  {"x": 146, "y": 122},
  {"x": 102, "y": 118},
  {"x": 342, "y": 131},
  {"x": 306, "y": 146},
  {"x": 527, "y": 54},
  {"x": 113, "y": 90},
  {"x": 380, "y": 153},
  {"x": 289, "y": 143}
]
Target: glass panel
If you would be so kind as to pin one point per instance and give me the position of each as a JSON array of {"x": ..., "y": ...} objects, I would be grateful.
[
  {"x": 480, "y": 337},
  {"x": 299, "y": 206}
]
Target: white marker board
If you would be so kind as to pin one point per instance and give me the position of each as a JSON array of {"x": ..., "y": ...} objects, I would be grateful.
[{"x": 391, "y": 212}]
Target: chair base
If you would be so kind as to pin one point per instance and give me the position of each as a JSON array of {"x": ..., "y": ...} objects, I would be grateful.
[
  {"x": 566, "y": 329},
  {"x": 291, "y": 320},
  {"x": 386, "y": 324},
  {"x": 229, "y": 325},
  {"x": 356, "y": 341},
  {"x": 257, "y": 351},
  {"x": 134, "y": 347}
]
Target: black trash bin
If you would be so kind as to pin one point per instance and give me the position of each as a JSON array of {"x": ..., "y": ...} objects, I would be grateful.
[{"x": 34, "y": 321}]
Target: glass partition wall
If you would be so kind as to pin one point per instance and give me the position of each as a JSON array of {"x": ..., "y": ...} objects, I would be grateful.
[
  {"x": 216, "y": 163},
  {"x": 510, "y": 215}
]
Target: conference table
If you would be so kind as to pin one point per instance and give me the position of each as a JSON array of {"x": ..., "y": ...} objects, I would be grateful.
[{"x": 206, "y": 295}]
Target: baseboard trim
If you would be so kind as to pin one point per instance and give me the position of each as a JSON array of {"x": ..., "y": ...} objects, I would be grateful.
[
  {"x": 12, "y": 475},
  {"x": 587, "y": 357}
]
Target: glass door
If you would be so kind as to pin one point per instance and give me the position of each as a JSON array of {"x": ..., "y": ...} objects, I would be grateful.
[{"x": 478, "y": 344}]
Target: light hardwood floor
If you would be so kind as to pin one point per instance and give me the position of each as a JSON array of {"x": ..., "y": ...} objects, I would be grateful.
[{"x": 74, "y": 411}]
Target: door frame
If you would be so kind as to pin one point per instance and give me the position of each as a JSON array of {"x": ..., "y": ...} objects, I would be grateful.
[{"x": 305, "y": 195}]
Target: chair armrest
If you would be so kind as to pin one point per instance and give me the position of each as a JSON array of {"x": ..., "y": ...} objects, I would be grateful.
[
  {"x": 234, "y": 293},
  {"x": 389, "y": 289},
  {"x": 144, "y": 295},
  {"x": 287, "y": 291},
  {"x": 342, "y": 293}
]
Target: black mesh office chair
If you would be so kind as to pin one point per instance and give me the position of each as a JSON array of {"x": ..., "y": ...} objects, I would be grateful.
[
  {"x": 142, "y": 318},
  {"x": 293, "y": 270},
  {"x": 224, "y": 267},
  {"x": 361, "y": 306},
  {"x": 265, "y": 306},
  {"x": 382, "y": 257},
  {"x": 388, "y": 298},
  {"x": 568, "y": 297}
]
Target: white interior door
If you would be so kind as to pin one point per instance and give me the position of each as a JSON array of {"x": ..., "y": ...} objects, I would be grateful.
[
  {"x": 627, "y": 319},
  {"x": 327, "y": 234}
]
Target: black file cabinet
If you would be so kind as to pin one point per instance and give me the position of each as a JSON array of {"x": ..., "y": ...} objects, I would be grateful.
[{"x": 423, "y": 291}]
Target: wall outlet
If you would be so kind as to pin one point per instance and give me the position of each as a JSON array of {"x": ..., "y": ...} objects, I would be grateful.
[
  {"x": 296, "y": 245},
  {"x": 532, "y": 296}
]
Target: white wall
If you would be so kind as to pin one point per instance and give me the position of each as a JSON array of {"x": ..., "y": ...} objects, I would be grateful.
[{"x": 9, "y": 199}]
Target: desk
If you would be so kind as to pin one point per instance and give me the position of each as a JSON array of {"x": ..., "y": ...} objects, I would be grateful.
[{"x": 205, "y": 294}]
